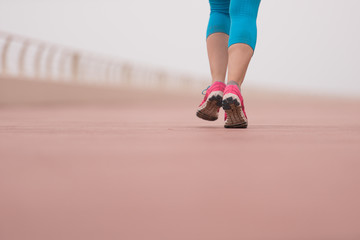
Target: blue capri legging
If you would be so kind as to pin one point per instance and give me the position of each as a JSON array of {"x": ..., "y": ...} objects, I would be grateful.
[{"x": 237, "y": 18}]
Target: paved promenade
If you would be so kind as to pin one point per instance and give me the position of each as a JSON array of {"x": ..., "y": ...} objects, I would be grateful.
[{"x": 145, "y": 168}]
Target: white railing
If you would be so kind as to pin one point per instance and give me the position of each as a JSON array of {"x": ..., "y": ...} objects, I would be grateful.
[{"x": 31, "y": 59}]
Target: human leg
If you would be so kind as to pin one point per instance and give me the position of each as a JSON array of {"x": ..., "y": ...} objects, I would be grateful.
[
  {"x": 242, "y": 42},
  {"x": 217, "y": 37},
  {"x": 243, "y": 36}
]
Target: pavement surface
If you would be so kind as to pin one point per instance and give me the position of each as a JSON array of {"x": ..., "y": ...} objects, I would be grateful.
[{"x": 144, "y": 167}]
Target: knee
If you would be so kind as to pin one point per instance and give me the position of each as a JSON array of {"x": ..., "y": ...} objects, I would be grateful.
[
  {"x": 219, "y": 17},
  {"x": 244, "y": 9},
  {"x": 243, "y": 14}
]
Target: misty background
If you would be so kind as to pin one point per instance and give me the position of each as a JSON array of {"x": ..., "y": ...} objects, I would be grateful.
[{"x": 303, "y": 46}]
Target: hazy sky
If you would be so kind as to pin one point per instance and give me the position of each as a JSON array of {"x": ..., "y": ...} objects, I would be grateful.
[{"x": 307, "y": 45}]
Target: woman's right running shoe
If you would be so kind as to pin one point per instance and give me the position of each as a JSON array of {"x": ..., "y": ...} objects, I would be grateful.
[
  {"x": 233, "y": 105},
  {"x": 209, "y": 108}
]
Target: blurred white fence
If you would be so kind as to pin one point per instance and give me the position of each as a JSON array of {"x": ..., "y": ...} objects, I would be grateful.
[{"x": 31, "y": 59}]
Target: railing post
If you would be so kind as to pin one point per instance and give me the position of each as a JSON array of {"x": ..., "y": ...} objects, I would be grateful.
[
  {"x": 99, "y": 72},
  {"x": 62, "y": 62},
  {"x": 118, "y": 74},
  {"x": 5, "y": 53},
  {"x": 127, "y": 73},
  {"x": 103, "y": 71},
  {"x": 38, "y": 61},
  {"x": 107, "y": 75},
  {"x": 22, "y": 59},
  {"x": 49, "y": 62},
  {"x": 161, "y": 79},
  {"x": 75, "y": 67}
]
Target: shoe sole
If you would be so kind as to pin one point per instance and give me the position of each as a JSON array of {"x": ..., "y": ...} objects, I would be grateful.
[
  {"x": 210, "y": 109},
  {"x": 235, "y": 115}
]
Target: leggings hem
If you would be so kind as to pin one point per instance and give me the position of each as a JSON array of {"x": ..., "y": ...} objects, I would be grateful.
[{"x": 207, "y": 35}]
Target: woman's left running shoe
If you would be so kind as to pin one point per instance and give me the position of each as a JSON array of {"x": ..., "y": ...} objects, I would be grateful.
[
  {"x": 233, "y": 104},
  {"x": 209, "y": 108}
]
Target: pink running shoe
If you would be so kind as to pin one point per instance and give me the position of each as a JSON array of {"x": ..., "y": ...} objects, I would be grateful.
[
  {"x": 209, "y": 108},
  {"x": 233, "y": 104}
]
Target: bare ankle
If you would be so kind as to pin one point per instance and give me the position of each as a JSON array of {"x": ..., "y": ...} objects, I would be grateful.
[{"x": 233, "y": 83}]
